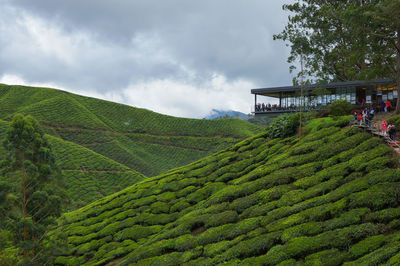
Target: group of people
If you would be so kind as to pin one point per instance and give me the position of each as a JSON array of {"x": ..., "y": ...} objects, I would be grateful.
[
  {"x": 385, "y": 106},
  {"x": 389, "y": 129},
  {"x": 365, "y": 116},
  {"x": 262, "y": 107}
]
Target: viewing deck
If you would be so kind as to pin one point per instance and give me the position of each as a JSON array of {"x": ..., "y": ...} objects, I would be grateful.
[{"x": 318, "y": 96}]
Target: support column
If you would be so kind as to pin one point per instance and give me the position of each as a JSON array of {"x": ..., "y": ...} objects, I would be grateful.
[
  {"x": 255, "y": 102},
  {"x": 280, "y": 99}
]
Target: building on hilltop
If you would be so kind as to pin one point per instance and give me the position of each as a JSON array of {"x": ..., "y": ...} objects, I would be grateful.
[{"x": 317, "y": 96}]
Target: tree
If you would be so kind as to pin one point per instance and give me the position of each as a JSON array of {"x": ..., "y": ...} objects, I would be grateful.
[
  {"x": 345, "y": 40},
  {"x": 31, "y": 162},
  {"x": 386, "y": 31}
]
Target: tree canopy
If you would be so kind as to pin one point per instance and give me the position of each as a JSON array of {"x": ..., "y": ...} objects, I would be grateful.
[
  {"x": 344, "y": 40},
  {"x": 30, "y": 198}
]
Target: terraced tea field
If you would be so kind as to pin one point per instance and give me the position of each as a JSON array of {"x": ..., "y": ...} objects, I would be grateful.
[
  {"x": 331, "y": 198},
  {"x": 145, "y": 141},
  {"x": 87, "y": 175}
]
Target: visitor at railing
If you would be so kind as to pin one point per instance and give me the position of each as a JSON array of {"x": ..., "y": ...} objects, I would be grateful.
[
  {"x": 384, "y": 127},
  {"x": 388, "y": 106},
  {"x": 392, "y": 132}
]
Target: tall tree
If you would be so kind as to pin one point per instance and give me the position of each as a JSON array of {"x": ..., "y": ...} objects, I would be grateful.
[
  {"x": 386, "y": 31},
  {"x": 31, "y": 160},
  {"x": 345, "y": 40}
]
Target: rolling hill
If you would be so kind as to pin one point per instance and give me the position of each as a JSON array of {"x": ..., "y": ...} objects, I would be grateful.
[
  {"x": 87, "y": 175},
  {"x": 142, "y": 140},
  {"x": 331, "y": 198}
]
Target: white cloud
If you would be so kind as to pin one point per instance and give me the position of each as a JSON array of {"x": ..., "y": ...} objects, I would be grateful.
[
  {"x": 187, "y": 100},
  {"x": 176, "y": 98}
]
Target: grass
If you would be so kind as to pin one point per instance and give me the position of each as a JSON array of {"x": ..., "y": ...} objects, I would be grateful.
[
  {"x": 142, "y": 140},
  {"x": 330, "y": 198}
]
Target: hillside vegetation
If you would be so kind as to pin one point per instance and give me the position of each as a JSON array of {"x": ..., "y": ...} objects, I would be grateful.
[
  {"x": 87, "y": 175},
  {"x": 330, "y": 198},
  {"x": 145, "y": 141}
]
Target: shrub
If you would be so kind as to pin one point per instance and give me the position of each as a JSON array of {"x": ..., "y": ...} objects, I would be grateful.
[
  {"x": 179, "y": 206},
  {"x": 339, "y": 108},
  {"x": 251, "y": 247},
  {"x": 137, "y": 232},
  {"x": 214, "y": 249},
  {"x": 205, "y": 192},
  {"x": 377, "y": 197},
  {"x": 284, "y": 126},
  {"x": 159, "y": 207},
  {"x": 327, "y": 257},
  {"x": 367, "y": 245},
  {"x": 221, "y": 218},
  {"x": 307, "y": 229},
  {"x": 379, "y": 256},
  {"x": 351, "y": 217}
]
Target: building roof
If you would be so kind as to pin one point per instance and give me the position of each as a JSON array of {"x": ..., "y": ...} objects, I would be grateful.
[{"x": 332, "y": 85}]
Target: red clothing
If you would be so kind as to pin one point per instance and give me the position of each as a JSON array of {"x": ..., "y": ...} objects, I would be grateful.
[
  {"x": 359, "y": 117},
  {"x": 387, "y": 103},
  {"x": 384, "y": 126}
]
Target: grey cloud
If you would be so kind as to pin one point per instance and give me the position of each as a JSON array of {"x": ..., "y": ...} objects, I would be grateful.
[{"x": 112, "y": 44}]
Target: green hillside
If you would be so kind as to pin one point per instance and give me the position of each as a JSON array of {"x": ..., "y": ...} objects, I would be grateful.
[
  {"x": 330, "y": 198},
  {"x": 87, "y": 175},
  {"x": 145, "y": 141}
]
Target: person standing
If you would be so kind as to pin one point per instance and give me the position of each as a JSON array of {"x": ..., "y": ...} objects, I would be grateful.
[
  {"x": 383, "y": 105},
  {"x": 372, "y": 113},
  {"x": 359, "y": 118},
  {"x": 388, "y": 105},
  {"x": 364, "y": 115},
  {"x": 384, "y": 127},
  {"x": 392, "y": 132}
]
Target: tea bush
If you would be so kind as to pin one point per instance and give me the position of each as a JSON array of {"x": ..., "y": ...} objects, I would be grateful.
[{"x": 328, "y": 198}]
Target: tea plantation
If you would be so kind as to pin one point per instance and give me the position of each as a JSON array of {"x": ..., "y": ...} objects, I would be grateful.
[
  {"x": 145, "y": 141},
  {"x": 86, "y": 174},
  {"x": 331, "y": 198}
]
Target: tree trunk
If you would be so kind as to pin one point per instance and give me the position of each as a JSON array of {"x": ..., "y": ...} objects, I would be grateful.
[
  {"x": 24, "y": 191},
  {"x": 398, "y": 72},
  {"x": 33, "y": 244}
]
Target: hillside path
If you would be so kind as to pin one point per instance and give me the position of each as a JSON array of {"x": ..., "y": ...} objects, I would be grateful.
[{"x": 375, "y": 129}]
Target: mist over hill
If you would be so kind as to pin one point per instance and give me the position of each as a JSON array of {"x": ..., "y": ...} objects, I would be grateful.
[{"x": 218, "y": 114}]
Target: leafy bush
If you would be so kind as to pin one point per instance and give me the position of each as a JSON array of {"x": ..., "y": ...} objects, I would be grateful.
[
  {"x": 284, "y": 126},
  {"x": 339, "y": 108}
]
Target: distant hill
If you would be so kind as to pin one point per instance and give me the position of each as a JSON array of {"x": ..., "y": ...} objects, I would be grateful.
[
  {"x": 330, "y": 198},
  {"x": 218, "y": 114},
  {"x": 103, "y": 146}
]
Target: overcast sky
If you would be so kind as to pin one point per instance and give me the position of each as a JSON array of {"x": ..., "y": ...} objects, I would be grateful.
[{"x": 176, "y": 57}]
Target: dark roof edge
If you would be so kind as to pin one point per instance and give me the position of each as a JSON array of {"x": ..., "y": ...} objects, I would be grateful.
[{"x": 330, "y": 85}]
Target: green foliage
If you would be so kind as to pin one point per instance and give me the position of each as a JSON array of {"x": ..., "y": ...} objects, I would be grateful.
[
  {"x": 329, "y": 198},
  {"x": 30, "y": 164},
  {"x": 284, "y": 126},
  {"x": 340, "y": 108},
  {"x": 103, "y": 147},
  {"x": 346, "y": 46}
]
